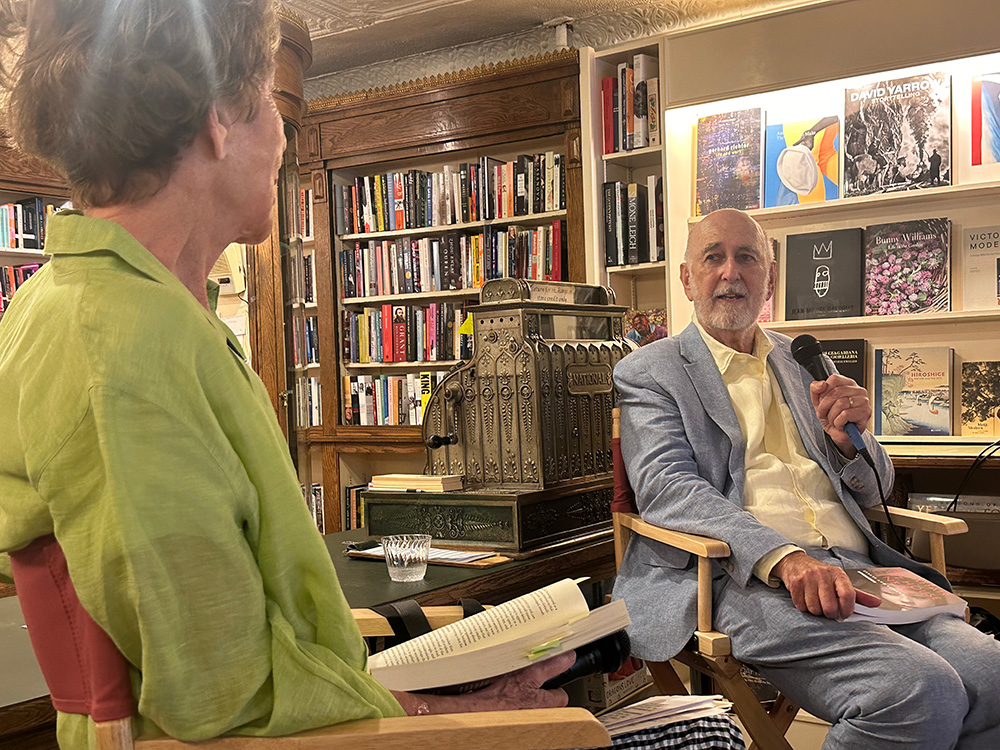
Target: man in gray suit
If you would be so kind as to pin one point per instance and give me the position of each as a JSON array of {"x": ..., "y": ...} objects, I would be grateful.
[{"x": 725, "y": 435}]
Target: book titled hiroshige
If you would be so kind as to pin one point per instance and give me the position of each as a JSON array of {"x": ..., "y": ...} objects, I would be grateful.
[
  {"x": 912, "y": 391},
  {"x": 823, "y": 274},
  {"x": 897, "y": 134},
  {"x": 728, "y": 161},
  {"x": 906, "y": 267}
]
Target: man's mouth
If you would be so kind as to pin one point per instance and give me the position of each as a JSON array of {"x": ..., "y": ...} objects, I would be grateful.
[{"x": 730, "y": 296}]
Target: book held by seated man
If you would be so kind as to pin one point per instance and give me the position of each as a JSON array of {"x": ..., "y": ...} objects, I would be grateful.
[
  {"x": 423, "y": 482},
  {"x": 906, "y": 597},
  {"x": 510, "y": 636}
]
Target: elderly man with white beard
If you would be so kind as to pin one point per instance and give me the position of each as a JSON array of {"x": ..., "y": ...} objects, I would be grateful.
[{"x": 725, "y": 435}]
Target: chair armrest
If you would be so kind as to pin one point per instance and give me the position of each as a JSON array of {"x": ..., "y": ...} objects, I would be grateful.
[
  {"x": 372, "y": 624},
  {"x": 915, "y": 519},
  {"x": 532, "y": 729},
  {"x": 702, "y": 546}
]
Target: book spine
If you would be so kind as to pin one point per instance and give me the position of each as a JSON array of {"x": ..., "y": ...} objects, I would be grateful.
[
  {"x": 607, "y": 113},
  {"x": 653, "y": 111}
]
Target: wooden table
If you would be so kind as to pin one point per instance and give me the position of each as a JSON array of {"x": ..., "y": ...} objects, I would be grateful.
[{"x": 26, "y": 715}]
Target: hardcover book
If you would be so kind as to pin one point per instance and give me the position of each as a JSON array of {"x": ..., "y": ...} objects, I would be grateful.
[
  {"x": 912, "y": 391},
  {"x": 897, "y": 135},
  {"x": 906, "y": 597},
  {"x": 981, "y": 398},
  {"x": 645, "y": 326},
  {"x": 823, "y": 275},
  {"x": 802, "y": 162},
  {"x": 981, "y": 268},
  {"x": 510, "y": 636},
  {"x": 850, "y": 356},
  {"x": 906, "y": 267},
  {"x": 986, "y": 119},
  {"x": 728, "y": 161}
]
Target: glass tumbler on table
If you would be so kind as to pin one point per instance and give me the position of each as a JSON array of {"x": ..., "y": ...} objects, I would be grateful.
[{"x": 406, "y": 556}]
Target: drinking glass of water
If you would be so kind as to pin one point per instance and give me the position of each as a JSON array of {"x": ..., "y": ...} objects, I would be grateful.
[{"x": 406, "y": 556}]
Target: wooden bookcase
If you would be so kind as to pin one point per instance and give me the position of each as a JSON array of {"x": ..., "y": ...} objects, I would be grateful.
[
  {"x": 521, "y": 107},
  {"x": 723, "y": 67}
]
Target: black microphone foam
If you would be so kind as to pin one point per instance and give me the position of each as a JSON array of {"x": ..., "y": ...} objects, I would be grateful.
[
  {"x": 808, "y": 352},
  {"x": 604, "y": 655}
]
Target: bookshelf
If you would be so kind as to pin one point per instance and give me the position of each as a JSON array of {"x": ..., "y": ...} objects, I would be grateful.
[
  {"x": 22, "y": 178},
  {"x": 499, "y": 112},
  {"x": 722, "y": 67},
  {"x": 644, "y": 285}
]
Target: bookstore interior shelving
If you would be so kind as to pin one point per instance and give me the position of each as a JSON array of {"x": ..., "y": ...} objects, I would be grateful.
[
  {"x": 23, "y": 183},
  {"x": 394, "y": 146},
  {"x": 733, "y": 74}
]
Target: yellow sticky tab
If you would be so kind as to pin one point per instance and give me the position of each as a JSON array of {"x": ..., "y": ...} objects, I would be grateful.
[
  {"x": 543, "y": 648},
  {"x": 466, "y": 327}
]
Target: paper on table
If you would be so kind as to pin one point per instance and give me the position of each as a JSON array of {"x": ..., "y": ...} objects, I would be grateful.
[
  {"x": 662, "y": 709},
  {"x": 546, "y": 608},
  {"x": 435, "y": 555}
]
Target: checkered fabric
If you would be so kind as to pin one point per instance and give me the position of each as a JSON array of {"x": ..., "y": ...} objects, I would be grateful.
[{"x": 710, "y": 733}]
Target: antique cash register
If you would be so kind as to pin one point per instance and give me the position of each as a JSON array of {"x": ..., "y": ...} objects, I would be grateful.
[{"x": 527, "y": 422}]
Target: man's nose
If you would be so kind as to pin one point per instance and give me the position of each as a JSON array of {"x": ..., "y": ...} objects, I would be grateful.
[{"x": 730, "y": 269}]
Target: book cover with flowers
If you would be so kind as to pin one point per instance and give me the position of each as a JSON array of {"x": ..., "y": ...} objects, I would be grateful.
[{"x": 906, "y": 267}]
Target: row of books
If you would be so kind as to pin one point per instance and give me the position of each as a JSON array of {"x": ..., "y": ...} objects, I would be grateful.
[
  {"x": 455, "y": 260},
  {"x": 22, "y": 223},
  {"x": 379, "y": 400},
  {"x": 896, "y": 268},
  {"x": 352, "y": 508},
  {"x": 307, "y": 398},
  {"x": 302, "y": 279},
  {"x": 305, "y": 340},
  {"x": 11, "y": 278},
  {"x": 406, "y": 333},
  {"x": 489, "y": 189},
  {"x": 741, "y": 164},
  {"x": 306, "y": 231},
  {"x": 913, "y": 392},
  {"x": 630, "y": 105},
  {"x": 633, "y": 222},
  {"x": 314, "y": 502}
]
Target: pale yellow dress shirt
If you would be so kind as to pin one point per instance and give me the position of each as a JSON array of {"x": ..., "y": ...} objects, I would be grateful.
[{"x": 784, "y": 489}]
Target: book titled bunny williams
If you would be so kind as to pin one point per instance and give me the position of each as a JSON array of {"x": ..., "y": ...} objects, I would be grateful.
[{"x": 906, "y": 267}]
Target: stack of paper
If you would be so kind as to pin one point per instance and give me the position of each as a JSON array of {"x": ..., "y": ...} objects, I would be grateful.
[
  {"x": 662, "y": 709},
  {"x": 435, "y": 555}
]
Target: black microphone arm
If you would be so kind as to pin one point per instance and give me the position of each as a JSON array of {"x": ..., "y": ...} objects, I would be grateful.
[{"x": 604, "y": 655}]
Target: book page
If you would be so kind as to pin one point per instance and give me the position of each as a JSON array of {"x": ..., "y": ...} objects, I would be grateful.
[{"x": 548, "y": 607}]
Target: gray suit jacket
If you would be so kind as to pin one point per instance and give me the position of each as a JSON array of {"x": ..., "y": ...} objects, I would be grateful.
[{"x": 684, "y": 453}]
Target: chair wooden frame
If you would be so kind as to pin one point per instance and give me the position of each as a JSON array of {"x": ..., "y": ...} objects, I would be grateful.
[
  {"x": 710, "y": 651},
  {"x": 55, "y": 616}
]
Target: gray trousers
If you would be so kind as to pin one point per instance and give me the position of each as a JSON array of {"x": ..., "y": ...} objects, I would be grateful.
[{"x": 933, "y": 685}]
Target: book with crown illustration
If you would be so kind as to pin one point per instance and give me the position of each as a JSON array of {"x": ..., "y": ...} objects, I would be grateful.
[
  {"x": 513, "y": 635},
  {"x": 824, "y": 275}
]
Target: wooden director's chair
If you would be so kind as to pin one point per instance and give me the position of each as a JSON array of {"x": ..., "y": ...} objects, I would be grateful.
[
  {"x": 86, "y": 674},
  {"x": 709, "y": 651}
]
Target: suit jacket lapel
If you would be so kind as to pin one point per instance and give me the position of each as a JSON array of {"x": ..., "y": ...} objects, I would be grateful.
[
  {"x": 707, "y": 381},
  {"x": 791, "y": 378}
]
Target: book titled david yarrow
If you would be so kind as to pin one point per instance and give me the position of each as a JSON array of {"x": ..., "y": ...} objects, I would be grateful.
[
  {"x": 906, "y": 267},
  {"x": 897, "y": 135}
]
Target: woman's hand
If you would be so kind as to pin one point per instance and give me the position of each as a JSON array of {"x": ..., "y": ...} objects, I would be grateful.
[{"x": 509, "y": 692}]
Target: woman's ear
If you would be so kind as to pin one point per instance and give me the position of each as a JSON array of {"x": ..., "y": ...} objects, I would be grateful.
[{"x": 216, "y": 129}]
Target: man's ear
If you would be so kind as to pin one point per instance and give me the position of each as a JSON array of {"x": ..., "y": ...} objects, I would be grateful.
[
  {"x": 686, "y": 281},
  {"x": 216, "y": 130}
]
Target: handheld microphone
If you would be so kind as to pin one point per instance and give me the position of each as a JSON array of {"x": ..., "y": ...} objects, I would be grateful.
[
  {"x": 808, "y": 352},
  {"x": 604, "y": 655}
]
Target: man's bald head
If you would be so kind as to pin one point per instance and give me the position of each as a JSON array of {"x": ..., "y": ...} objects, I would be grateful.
[{"x": 725, "y": 219}]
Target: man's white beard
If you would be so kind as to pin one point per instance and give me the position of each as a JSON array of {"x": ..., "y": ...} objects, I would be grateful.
[{"x": 725, "y": 317}]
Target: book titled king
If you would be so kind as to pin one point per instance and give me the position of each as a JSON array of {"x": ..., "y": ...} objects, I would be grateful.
[{"x": 823, "y": 275}]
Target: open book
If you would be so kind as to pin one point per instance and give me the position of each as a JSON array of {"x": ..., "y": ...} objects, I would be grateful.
[
  {"x": 510, "y": 636},
  {"x": 906, "y": 597}
]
